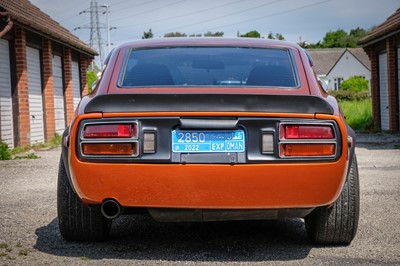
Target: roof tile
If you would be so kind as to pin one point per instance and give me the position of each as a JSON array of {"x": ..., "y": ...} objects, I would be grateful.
[{"x": 325, "y": 59}]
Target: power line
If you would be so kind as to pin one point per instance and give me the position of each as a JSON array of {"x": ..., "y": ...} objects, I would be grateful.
[
  {"x": 181, "y": 16},
  {"x": 82, "y": 3},
  {"x": 135, "y": 6},
  {"x": 150, "y": 10},
  {"x": 271, "y": 15},
  {"x": 95, "y": 27},
  {"x": 70, "y": 17},
  {"x": 114, "y": 4},
  {"x": 220, "y": 17}
]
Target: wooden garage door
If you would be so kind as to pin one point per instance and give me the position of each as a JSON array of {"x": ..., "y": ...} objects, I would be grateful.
[
  {"x": 59, "y": 110},
  {"x": 383, "y": 92},
  {"x": 6, "y": 117},
  {"x": 76, "y": 83},
  {"x": 35, "y": 95}
]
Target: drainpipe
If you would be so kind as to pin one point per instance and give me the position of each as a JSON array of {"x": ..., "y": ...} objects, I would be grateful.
[{"x": 9, "y": 24}]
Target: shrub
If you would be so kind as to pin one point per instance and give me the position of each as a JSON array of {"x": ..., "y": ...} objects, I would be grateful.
[
  {"x": 56, "y": 140},
  {"x": 91, "y": 79},
  {"x": 349, "y": 95},
  {"x": 5, "y": 153},
  {"x": 356, "y": 84}
]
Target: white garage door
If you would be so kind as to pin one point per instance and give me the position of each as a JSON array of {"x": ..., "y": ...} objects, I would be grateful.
[
  {"x": 59, "y": 110},
  {"x": 6, "y": 118},
  {"x": 35, "y": 96},
  {"x": 384, "y": 92},
  {"x": 76, "y": 83}
]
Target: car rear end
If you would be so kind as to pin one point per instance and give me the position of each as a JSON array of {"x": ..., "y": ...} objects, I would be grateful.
[{"x": 209, "y": 132}]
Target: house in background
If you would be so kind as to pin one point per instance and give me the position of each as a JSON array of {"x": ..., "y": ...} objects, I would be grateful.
[
  {"x": 383, "y": 48},
  {"x": 42, "y": 74},
  {"x": 336, "y": 65}
]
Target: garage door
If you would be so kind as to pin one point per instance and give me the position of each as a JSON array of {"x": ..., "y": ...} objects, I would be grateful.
[
  {"x": 76, "y": 83},
  {"x": 6, "y": 120},
  {"x": 383, "y": 92},
  {"x": 59, "y": 110},
  {"x": 35, "y": 96}
]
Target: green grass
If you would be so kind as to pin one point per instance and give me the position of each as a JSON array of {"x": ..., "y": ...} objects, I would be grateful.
[
  {"x": 54, "y": 142},
  {"x": 28, "y": 156},
  {"x": 358, "y": 114},
  {"x": 7, "y": 154}
]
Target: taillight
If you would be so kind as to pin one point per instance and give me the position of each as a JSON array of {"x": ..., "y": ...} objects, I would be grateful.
[
  {"x": 298, "y": 149},
  {"x": 109, "y": 149},
  {"x": 307, "y": 140},
  {"x": 108, "y": 139},
  {"x": 110, "y": 131},
  {"x": 306, "y": 132}
]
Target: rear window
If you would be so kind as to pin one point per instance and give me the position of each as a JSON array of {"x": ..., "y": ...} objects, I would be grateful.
[{"x": 209, "y": 66}]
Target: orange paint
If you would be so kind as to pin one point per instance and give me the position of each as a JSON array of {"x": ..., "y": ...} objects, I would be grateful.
[{"x": 239, "y": 186}]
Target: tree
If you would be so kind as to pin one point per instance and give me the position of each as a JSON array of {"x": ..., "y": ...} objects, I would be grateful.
[
  {"x": 91, "y": 78},
  {"x": 195, "y": 35},
  {"x": 175, "y": 34},
  {"x": 147, "y": 35},
  {"x": 251, "y": 34},
  {"x": 339, "y": 39},
  {"x": 335, "y": 39},
  {"x": 276, "y": 36},
  {"x": 279, "y": 37},
  {"x": 214, "y": 34},
  {"x": 355, "y": 36}
]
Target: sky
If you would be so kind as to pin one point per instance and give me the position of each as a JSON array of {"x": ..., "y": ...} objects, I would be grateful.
[{"x": 305, "y": 20}]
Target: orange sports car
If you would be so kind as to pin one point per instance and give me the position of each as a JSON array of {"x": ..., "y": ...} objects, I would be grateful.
[{"x": 209, "y": 129}]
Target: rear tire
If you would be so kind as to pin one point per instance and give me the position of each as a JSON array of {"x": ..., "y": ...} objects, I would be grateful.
[
  {"x": 337, "y": 224},
  {"x": 77, "y": 221}
]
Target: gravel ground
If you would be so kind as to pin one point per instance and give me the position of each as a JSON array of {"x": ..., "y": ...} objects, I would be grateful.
[{"x": 29, "y": 231}]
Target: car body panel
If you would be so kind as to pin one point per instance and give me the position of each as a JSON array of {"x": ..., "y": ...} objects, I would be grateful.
[{"x": 244, "y": 186}]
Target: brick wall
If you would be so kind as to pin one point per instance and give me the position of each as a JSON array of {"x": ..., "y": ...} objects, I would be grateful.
[
  {"x": 22, "y": 93},
  {"x": 69, "y": 93},
  {"x": 48, "y": 91},
  {"x": 392, "y": 83},
  {"x": 84, "y": 64},
  {"x": 373, "y": 57},
  {"x": 388, "y": 45}
]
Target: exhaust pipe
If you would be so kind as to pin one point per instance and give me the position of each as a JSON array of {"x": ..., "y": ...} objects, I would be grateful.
[{"x": 111, "y": 209}]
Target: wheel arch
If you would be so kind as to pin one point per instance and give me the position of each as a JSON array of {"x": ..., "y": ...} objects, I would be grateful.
[{"x": 64, "y": 155}]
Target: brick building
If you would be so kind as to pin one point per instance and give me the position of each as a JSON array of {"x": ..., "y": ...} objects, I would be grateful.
[
  {"x": 42, "y": 74},
  {"x": 383, "y": 48}
]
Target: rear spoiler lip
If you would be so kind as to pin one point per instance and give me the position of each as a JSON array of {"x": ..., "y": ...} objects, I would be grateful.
[{"x": 131, "y": 103}]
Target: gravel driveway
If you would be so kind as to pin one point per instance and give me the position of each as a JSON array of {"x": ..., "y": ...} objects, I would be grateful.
[{"x": 29, "y": 231}]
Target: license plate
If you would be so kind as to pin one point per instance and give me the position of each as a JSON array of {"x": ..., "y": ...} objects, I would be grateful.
[{"x": 193, "y": 141}]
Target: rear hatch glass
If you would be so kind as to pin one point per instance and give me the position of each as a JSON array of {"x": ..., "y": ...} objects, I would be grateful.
[{"x": 209, "y": 66}]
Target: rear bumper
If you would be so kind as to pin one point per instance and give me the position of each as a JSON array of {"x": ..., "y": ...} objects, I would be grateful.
[
  {"x": 210, "y": 186},
  {"x": 243, "y": 186}
]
